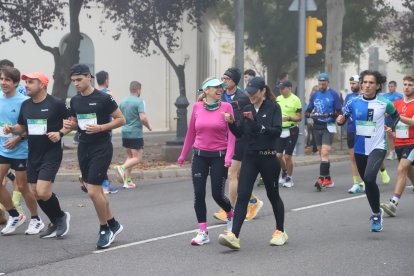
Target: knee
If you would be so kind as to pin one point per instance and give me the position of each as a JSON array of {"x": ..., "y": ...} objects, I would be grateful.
[
  {"x": 279, "y": 156},
  {"x": 288, "y": 158},
  {"x": 42, "y": 195}
]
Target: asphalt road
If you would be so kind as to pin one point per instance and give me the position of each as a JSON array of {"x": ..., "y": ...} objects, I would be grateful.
[{"x": 328, "y": 234}]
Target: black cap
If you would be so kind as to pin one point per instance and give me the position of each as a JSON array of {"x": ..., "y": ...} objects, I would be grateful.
[
  {"x": 80, "y": 69},
  {"x": 255, "y": 84},
  {"x": 234, "y": 74},
  {"x": 285, "y": 83}
]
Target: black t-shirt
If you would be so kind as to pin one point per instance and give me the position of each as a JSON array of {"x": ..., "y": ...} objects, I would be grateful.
[
  {"x": 41, "y": 118},
  {"x": 95, "y": 108}
]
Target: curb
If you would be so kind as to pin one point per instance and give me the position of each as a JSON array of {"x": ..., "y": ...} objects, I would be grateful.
[{"x": 175, "y": 171}]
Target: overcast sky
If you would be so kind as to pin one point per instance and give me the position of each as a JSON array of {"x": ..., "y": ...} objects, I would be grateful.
[{"x": 397, "y": 4}]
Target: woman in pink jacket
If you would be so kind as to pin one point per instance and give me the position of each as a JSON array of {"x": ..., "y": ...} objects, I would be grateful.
[{"x": 213, "y": 147}]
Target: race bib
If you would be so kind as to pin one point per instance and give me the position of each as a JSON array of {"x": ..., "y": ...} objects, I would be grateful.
[
  {"x": 285, "y": 133},
  {"x": 331, "y": 127},
  {"x": 86, "y": 119},
  {"x": 401, "y": 130},
  {"x": 365, "y": 128},
  {"x": 2, "y": 130},
  {"x": 37, "y": 126}
]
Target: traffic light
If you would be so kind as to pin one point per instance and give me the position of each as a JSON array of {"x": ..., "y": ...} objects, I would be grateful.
[{"x": 312, "y": 35}]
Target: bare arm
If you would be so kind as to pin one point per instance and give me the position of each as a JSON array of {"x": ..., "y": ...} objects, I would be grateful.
[
  {"x": 144, "y": 119},
  {"x": 16, "y": 129},
  {"x": 118, "y": 121}
]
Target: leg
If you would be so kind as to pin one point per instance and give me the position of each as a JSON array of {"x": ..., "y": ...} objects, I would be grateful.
[
  {"x": 5, "y": 197},
  {"x": 233, "y": 175},
  {"x": 199, "y": 172},
  {"x": 24, "y": 188},
  {"x": 218, "y": 180}
]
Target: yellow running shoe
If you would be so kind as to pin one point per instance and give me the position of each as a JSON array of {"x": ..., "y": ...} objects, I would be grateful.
[
  {"x": 221, "y": 215},
  {"x": 385, "y": 178},
  {"x": 253, "y": 209},
  {"x": 229, "y": 239},
  {"x": 279, "y": 238}
]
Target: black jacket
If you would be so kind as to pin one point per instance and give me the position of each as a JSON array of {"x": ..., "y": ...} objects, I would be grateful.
[
  {"x": 239, "y": 101},
  {"x": 262, "y": 132}
]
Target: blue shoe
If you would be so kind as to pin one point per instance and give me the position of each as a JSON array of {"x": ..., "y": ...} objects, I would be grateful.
[
  {"x": 107, "y": 188},
  {"x": 105, "y": 239},
  {"x": 376, "y": 225}
]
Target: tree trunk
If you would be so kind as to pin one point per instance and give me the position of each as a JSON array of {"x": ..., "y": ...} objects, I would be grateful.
[
  {"x": 273, "y": 72},
  {"x": 70, "y": 55},
  {"x": 333, "y": 51}
]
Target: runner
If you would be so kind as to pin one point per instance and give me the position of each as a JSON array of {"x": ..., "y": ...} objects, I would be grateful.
[
  {"x": 368, "y": 112},
  {"x": 357, "y": 187},
  {"x": 238, "y": 100},
  {"x": 133, "y": 108},
  {"x": 260, "y": 126},
  {"x": 404, "y": 145},
  {"x": 324, "y": 106},
  {"x": 291, "y": 109},
  {"x": 41, "y": 117},
  {"x": 13, "y": 154},
  {"x": 213, "y": 148},
  {"x": 90, "y": 114}
]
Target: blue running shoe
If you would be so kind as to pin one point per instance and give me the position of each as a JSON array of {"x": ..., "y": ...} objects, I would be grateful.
[
  {"x": 107, "y": 188},
  {"x": 376, "y": 225}
]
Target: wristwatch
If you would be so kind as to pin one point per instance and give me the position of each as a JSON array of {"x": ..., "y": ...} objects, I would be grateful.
[{"x": 61, "y": 134}]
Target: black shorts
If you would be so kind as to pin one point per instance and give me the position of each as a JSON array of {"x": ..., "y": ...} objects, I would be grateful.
[
  {"x": 350, "y": 139},
  {"x": 133, "y": 143},
  {"x": 15, "y": 164},
  {"x": 287, "y": 145},
  {"x": 238, "y": 150},
  {"x": 45, "y": 171},
  {"x": 323, "y": 137},
  {"x": 94, "y": 161},
  {"x": 403, "y": 152}
]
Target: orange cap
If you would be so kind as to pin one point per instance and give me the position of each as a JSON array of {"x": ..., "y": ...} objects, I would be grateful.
[{"x": 38, "y": 76}]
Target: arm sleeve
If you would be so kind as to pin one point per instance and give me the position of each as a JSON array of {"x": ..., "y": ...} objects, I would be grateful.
[
  {"x": 189, "y": 137},
  {"x": 276, "y": 128},
  {"x": 72, "y": 110},
  {"x": 337, "y": 101},
  {"x": 64, "y": 110},
  {"x": 310, "y": 105},
  {"x": 298, "y": 106},
  {"x": 111, "y": 104},
  {"x": 392, "y": 111},
  {"x": 231, "y": 140},
  {"x": 141, "y": 107}
]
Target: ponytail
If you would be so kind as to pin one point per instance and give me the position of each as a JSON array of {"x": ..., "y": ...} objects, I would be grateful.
[
  {"x": 269, "y": 95},
  {"x": 202, "y": 95}
]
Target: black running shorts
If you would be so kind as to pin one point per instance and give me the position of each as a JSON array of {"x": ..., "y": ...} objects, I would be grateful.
[
  {"x": 133, "y": 143},
  {"x": 45, "y": 171},
  {"x": 15, "y": 164},
  {"x": 94, "y": 161}
]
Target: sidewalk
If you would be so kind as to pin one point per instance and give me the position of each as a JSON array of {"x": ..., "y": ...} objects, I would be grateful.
[{"x": 154, "y": 167}]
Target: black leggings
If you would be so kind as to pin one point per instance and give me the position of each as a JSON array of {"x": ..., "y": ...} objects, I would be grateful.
[
  {"x": 200, "y": 168},
  {"x": 368, "y": 167},
  {"x": 269, "y": 168}
]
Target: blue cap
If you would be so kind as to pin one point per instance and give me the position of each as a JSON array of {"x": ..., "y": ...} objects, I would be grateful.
[
  {"x": 213, "y": 82},
  {"x": 255, "y": 84},
  {"x": 323, "y": 77},
  {"x": 80, "y": 69}
]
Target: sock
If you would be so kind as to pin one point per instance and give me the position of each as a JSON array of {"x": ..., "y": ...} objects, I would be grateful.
[
  {"x": 324, "y": 168},
  {"x": 284, "y": 173},
  {"x": 11, "y": 176},
  {"x": 253, "y": 199},
  {"x": 123, "y": 167},
  {"x": 382, "y": 170},
  {"x": 35, "y": 217},
  {"x": 230, "y": 214},
  {"x": 203, "y": 226},
  {"x": 288, "y": 178},
  {"x": 51, "y": 208},
  {"x": 395, "y": 198},
  {"x": 112, "y": 222},
  {"x": 355, "y": 179},
  {"x": 128, "y": 179},
  {"x": 16, "y": 200},
  {"x": 103, "y": 227},
  {"x": 13, "y": 212}
]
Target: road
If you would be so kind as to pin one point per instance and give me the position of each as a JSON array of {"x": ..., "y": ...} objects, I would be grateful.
[{"x": 328, "y": 234}]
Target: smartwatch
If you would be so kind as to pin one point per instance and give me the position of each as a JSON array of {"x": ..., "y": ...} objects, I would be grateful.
[{"x": 61, "y": 134}]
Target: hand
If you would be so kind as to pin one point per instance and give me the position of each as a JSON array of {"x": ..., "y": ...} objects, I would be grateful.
[
  {"x": 12, "y": 142},
  {"x": 180, "y": 161},
  {"x": 340, "y": 119},
  {"x": 285, "y": 118},
  {"x": 227, "y": 163},
  {"x": 388, "y": 130},
  {"x": 248, "y": 115},
  {"x": 54, "y": 136},
  {"x": 68, "y": 124},
  {"x": 7, "y": 129},
  {"x": 228, "y": 117},
  {"x": 92, "y": 129}
]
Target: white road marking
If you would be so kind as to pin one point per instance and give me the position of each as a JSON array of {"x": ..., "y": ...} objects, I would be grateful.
[{"x": 214, "y": 226}]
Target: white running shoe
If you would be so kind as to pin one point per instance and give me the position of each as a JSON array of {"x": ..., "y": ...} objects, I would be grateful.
[
  {"x": 35, "y": 226},
  {"x": 288, "y": 182},
  {"x": 120, "y": 172},
  {"x": 129, "y": 185},
  {"x": 201, "y": 238},
  {"x": 355, "y": 189},
  {"x": 281, "y": 180},
  {"x": 12, "y": 224}
]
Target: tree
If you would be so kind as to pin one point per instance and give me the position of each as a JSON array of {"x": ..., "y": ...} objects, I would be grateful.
[
  {"x": 272, "y": 31},
  {"x": 159, "y": 23},
  {"x": 402, "y": 43},
  {"x": 36, "y": 16}
]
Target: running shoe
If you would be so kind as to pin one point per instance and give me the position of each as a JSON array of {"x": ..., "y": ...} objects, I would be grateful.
[
  {"x": 120, "y": 172},
  {"x": 355, "y": 189},
  {"x": 105, "y": 239},
  {"x": 318, "y": 184},
  {"x": 35, "y": 226},
  {"x": 288, "y": 182},
  {"x": 62, "y": 224},
  {"x": 116, "y": 229},
  {"x": 385, "y": 178},
  {"x": 282, "y": 178},
  {"x": 129, "y": 185},
  {"x": 328, "y": 183},
  {"x": 260, "y": 182},
  {"x": 279, "y": 238},
  {"x": 201, "y": 238},
  {"x": 389, "y": 208},
  {"x": 376, "y": 225},
  {"x": 221, "y": 215},
  {"x": 83, "y": 185},
  {"x": 3, "y": 219},
  {"x": 50, "y": 231},
  {"x": 107, "y": 188},
  {"x": 253, "y": 209},
  {"x": 230, "y": 240},
  {"x": 12, "y": 224}
]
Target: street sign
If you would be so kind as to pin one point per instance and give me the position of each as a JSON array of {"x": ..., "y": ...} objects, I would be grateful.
[{"x": 310, "y": 5}]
